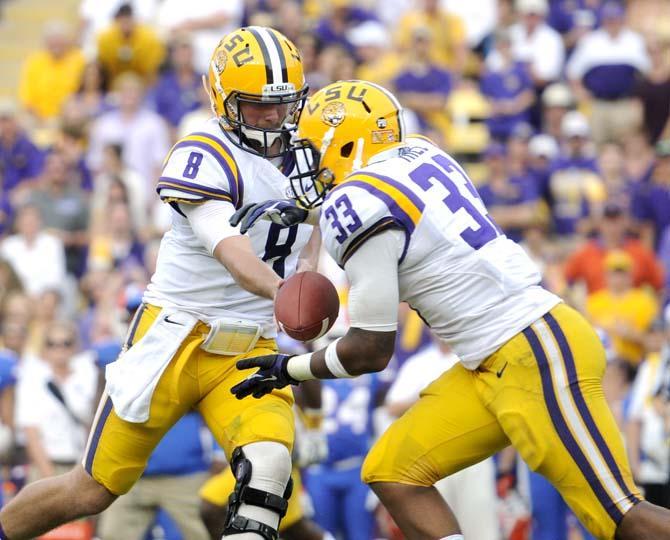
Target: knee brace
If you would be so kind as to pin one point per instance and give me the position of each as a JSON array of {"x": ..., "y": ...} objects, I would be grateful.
[{"x": 243, "y": 493}]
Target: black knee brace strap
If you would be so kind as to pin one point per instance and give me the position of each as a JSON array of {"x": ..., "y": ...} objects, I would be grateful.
[{"x": 243, "y": 493}]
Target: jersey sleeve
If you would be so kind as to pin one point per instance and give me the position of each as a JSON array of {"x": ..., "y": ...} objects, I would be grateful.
[
  {"x": 200, "y": 167},
  {"x": 362, "y": 207}
]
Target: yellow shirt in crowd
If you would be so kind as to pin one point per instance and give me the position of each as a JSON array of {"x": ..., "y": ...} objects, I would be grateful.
[
  {"x": 447, "y": 32},
  {"x": 636, "y": 308},
  {"x": 142, "y": 53},
  {"x": 46, "y": 82}
]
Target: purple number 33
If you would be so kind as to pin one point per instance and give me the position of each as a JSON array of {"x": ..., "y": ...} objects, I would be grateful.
[{"x": 352, "y": 223}]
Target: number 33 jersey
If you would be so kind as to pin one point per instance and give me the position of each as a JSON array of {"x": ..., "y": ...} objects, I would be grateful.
[
  {"x": 474, "y": 287},
  {"x": 206, "y": 166}
]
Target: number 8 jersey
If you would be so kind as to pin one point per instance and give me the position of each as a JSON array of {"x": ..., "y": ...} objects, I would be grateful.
[
  {"x": 206, "y": 166},
  {"x": 474, "y": 287}
]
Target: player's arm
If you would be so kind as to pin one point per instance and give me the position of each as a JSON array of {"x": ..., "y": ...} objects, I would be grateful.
[
  {"x": 210, "y": 223},
  {"x": 367, "y": 347},
  {"x": 309, "y": 256}
]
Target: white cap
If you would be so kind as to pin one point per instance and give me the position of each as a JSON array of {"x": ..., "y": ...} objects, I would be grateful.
[
  {"x": 575, "y": 124},
  {"x": 532, "y": 6},
  {"x": 543, "y": 145},
  {"x": 557, "y": 95},
  {"x": 369, "y": 34}
]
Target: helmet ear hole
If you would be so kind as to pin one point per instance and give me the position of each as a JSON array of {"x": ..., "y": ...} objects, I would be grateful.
[{"x": 346, "y": 150}]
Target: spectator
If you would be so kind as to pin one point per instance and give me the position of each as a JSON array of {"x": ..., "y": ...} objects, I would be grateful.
[
  {"x": 27, "y": 250},
  {"x": 542, "y": 151},
  {"x": 174, "y": 474},
  {"x": 290, "y": 20},
  {"x": 9, "y": 280},
  {"x": 142, "y": 134},
  {"x": 602, "y": 71},
  {"x": 511, "y": 200},
  {"x": 536, "y": 44},
  {"x": 448, "y": 48},
  {"x": 424, "y": 86},
  {"x": 651, "y": 200},
  {"x": 622, "y": 310},
  {"x": 508, "y": 87},
  {"x": 63, "y": 206},
  {"x": 342, "y": 16},
  {"x": 20, "y": 159},
  {"x": 96, "y": 16},
  {"x": 645, "y": 431},
  {"x": 574, "y": 19},
  {"x": 128, "y": 45},
  {"x": 117, "y": 183},
  {"x": 378, "y": 60},
  {"x": 587, "y": 265},
  {"x": 557, "y": 100},
  {"x": 574, "y": 183},
  {"x": 55, "y": 402},
  {"x": 17, "y": 308},
  {"x": 50, "y": 75},
  {"x": 176, "y": 92},
  {"x": 91, "y": 98},
  {"x": 192, "y": 121},
  {"x": 653, "y": 93},
  {"x": 479, "y": 18},
  {"x": 617, "y": 184},
  {"x": 117, "y": 245},
  {"x": 71, "y": 144},
  {"x": 205, "y": 20}
]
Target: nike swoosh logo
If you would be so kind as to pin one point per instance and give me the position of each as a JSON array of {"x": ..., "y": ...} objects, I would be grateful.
[
  {"x": 500, "y": 372},
  {"x": 266, "y": 379},
  {"x": 167, "y": 320}
]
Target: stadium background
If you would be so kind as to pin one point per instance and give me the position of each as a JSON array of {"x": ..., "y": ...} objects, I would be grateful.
[{"x": 559, "y": 110}]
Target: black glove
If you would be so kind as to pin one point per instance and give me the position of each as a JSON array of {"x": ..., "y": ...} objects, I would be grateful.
[
  {"x": 284, "y": 212},
  {"x": 272, "y": 374}
]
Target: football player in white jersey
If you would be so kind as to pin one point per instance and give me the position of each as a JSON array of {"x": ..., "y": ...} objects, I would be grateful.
[
  {"x": 209, "y": 304},
  {"x": 405, "y": 222}
]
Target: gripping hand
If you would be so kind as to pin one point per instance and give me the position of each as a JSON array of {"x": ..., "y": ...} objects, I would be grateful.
[
  {"x": 271, "y": 374},
  {"x": 283, "y": 212}
]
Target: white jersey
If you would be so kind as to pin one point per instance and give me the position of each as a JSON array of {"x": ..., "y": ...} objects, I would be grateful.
[
  {"x": 473, "y": 286},
  {"x": 207, "y": 166}
]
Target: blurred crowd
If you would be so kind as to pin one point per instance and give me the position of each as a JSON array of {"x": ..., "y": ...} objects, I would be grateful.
[{"x": 558, "y": 109}]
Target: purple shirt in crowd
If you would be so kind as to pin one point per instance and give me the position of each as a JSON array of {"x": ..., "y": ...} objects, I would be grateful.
[
  {"x": 506, "y": 84},
  {"x": 523, "y": 190}
]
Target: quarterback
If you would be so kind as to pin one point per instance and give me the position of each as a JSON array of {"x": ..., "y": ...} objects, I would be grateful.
[
  {"x": 209, "y": 304},
  {"x": 405, "y": 222}
]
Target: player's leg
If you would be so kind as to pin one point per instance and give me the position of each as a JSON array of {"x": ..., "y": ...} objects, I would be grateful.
[
  {"x": 48, "y": 503},
  {"x": 550, "y": 403},
  {"x": 257, "y": 435},
  {"x": 448, "y": 429},
  {"x": 115, "y": 457}
]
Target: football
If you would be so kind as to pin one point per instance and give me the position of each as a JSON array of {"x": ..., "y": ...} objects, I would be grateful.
[{"x": 306, "y": 306}]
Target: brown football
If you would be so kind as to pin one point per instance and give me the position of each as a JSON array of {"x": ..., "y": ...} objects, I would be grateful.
[{"x": 306, "y": 306}]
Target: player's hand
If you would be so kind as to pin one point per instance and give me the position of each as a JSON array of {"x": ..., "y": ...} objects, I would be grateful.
[
  {"x": 272, "y": 374},
  {"x": 283, "y": 212}
]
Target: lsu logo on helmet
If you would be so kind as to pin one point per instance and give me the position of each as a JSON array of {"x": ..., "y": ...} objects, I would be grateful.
[
  {"x": 256, "y": 65},
  {"x": 341, "y": 127}
]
